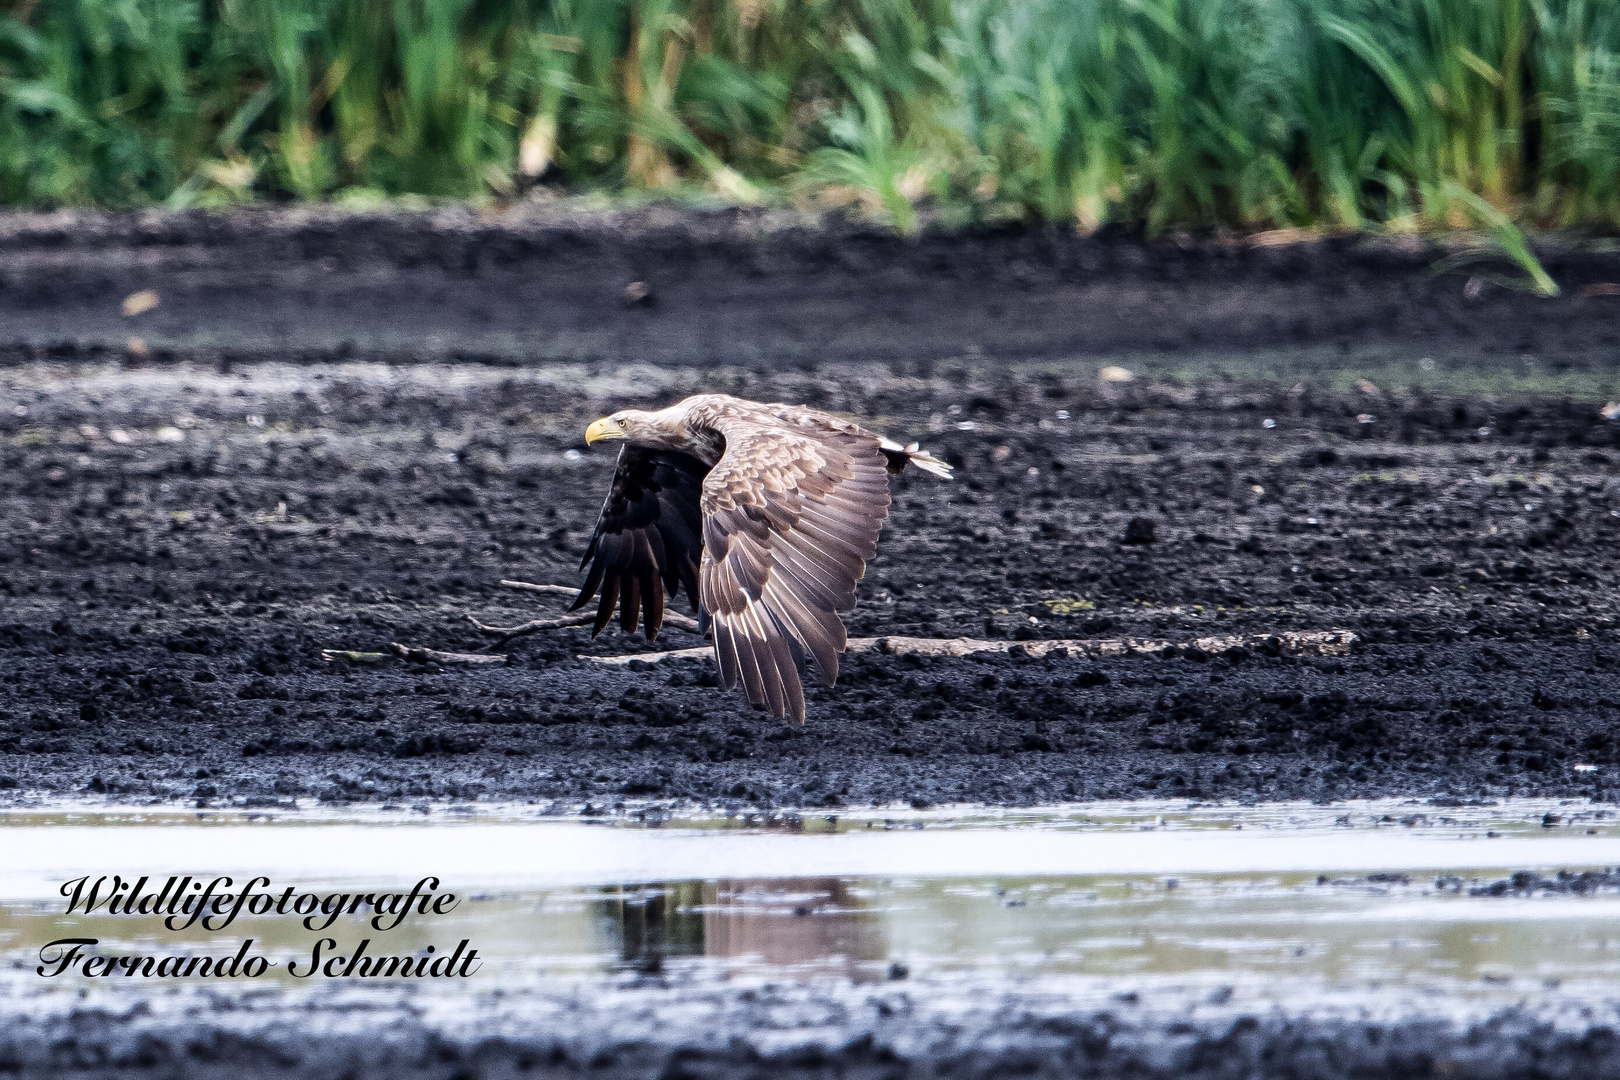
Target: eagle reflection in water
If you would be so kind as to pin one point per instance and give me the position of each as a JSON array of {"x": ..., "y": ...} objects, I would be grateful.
[{"x": 800, "y": 927}]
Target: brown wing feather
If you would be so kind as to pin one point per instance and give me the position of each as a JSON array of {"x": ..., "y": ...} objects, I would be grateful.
[{"x": 791, "y": 515}]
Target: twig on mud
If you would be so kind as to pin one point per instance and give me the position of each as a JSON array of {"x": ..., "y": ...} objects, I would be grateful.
[
  {"x": 529, "y": 586},
  {"x": 396, "y": 651},
  {"x": 1308, "y": 642},
  {"x": 354, "y": 656},
  {"x": 434, "y": 656},
  {"x": 672, "y": 654},
  {"x": 507, "y": 633},
  {"x": 504, "y": 634},
  {"x": 682, "y": 622}
]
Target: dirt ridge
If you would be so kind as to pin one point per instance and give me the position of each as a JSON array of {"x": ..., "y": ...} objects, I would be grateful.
[{"x": 664, "y": 284}]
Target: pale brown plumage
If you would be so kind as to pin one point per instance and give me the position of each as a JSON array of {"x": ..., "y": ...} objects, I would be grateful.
[{"x": 767, "y": 514}]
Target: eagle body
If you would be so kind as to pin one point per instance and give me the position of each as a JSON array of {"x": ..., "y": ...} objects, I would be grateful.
[{"x": 765, "y": 514}]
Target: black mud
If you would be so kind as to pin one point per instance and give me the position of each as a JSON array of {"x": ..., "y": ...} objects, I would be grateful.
[
  {"x": 183, "y": 530},
  {"x": 801, "y": 1032},
  {"x": 670, "y": 286}
]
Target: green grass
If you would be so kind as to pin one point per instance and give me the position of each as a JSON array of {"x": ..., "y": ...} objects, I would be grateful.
[{"x": 1256, "y": 114}]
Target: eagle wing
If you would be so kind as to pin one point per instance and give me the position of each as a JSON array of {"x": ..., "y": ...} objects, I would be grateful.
[
  {"x": 791, "y": 514},
  {"x": 647, "y": 538}
]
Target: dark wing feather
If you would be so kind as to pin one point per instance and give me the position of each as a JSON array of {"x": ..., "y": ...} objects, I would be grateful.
[
  {"x": 648, "y": 539},
  {"x": 790, "y": 517}
]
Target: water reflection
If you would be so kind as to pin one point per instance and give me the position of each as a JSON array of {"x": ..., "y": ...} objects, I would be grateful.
[
  {"x": 770, "y": 901},
  {"x": 653, "y": 923},
  {"x": 1291, "y": 929},
  {"x": 803, "y": 927}
]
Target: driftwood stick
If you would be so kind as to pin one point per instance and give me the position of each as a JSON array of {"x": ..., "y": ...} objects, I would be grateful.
[
  {"x": 507, "y": 633},
  {"x": 355, "y": 656},
  {"x": 434, "y": 656},
  {"x": 684, "y": 622},
  {"x": 411, "y": 653},
  {"x": 539, "y": 626},
  {"x": 1296, "y": 643},
  {"x": 534, "y": 626},
  {"x": 529, "y": 586},
  {"x": 671, "y": 654}
]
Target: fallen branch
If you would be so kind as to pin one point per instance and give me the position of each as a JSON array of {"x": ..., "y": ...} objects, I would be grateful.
[
  {"x": 1306, "y": 642},
  {"x": 355, "y": 657},
  {"x": 396, "y": 651},
  {"x": 507, "y": 633},
  {"x": 434, "y": 656},
  {"x": 682, "y": 622},
  {"x": 669, "y": 654},
  {"x": 529, "y": 586},
  {"x": 504, "y": 634}
]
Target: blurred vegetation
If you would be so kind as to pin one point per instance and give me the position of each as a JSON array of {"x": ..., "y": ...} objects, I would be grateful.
[{"x": 1337, "y": 114}]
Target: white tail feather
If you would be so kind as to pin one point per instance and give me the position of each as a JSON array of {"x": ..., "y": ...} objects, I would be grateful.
[
  {"x": 921, "y": 458},
  {"x": 928, "y": 463}
]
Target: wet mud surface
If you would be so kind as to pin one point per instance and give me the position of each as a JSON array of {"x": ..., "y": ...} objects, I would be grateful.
[
  {"x": 179, "y": 545},
  {"x": 661, "y": 284},
  {"x": 796, "y": 1031}
]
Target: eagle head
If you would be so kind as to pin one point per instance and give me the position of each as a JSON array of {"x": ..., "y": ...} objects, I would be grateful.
[
  {"x": 665, "y": 429},
  {"x": 609, "y": 427}
]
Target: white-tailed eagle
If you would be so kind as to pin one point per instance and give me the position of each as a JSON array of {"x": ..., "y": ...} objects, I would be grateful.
[{"x": 765, "y": 514}]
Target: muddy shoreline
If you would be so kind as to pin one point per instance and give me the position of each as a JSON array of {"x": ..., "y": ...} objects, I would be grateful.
[
  {"x": 669, "y": 285},
  {"x": 189, "y": 521},
  {"x": 168, "y": 598},
  {"x": 784, "y": 1030}
]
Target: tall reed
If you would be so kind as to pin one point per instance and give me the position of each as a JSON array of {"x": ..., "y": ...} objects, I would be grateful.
[{"x": 1162, "y": 113}]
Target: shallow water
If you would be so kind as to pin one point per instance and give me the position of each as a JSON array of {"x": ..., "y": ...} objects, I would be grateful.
[{"x": 1264, "y": 902}]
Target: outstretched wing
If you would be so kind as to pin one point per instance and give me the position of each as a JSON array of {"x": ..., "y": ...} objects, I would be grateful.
[
  {"x": 790, "y": 517},
  {"x": 647, "y": 539}
]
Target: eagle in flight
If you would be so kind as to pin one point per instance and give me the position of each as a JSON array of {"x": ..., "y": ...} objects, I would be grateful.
[{"x": 765, "y": 514}]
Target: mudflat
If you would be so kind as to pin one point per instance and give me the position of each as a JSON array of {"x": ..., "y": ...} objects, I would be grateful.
[{"x": 1280, "y": 562}]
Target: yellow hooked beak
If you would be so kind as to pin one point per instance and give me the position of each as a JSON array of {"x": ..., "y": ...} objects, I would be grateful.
[{"x": 601, "y": 429}]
